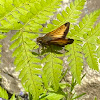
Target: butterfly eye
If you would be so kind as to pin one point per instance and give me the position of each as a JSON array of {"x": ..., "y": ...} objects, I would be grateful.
[{"x": 39, "y": 40}]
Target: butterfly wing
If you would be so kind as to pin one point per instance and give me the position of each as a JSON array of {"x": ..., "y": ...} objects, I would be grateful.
[
  {"x": 60, "y": 32},
  {"x": 61, "y": 42}
]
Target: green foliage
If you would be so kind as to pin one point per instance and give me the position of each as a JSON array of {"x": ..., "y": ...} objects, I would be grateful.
[
  {"x": 27, "y": 16},
  {"x": 84, "y": 26},
  {"x": 85, "y": 36},
  {"x": 95, "y": 98},
  {"x": 52, "y": 69},
  {"x": 3, "y": 93},
  {"x": 71, "y": 14},
  {"x": 13, "y": 97},
  {"x": 62, "y": 94},
  {"x": 89, "y": 47},
  {"x": 75, "y": 59}
]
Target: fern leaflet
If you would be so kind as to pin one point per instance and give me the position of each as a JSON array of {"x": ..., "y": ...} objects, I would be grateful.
[
  {"x": 89, "y": 46},
  {"x": 13, "y": 97},
  {"x": 84, "y": 26},
  {"x": 3, "y": 93},
  {"x": 71, "y": 14},
  {"x": 52, "y": 70},
  {"x": 75, "y": 58}
]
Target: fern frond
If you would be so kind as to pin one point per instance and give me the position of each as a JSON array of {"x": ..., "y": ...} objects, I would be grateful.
[
  {"x": 81, "y": 33},
  {"x": 52, "y": 70},
  {"x": 12, "y": 13},
  {"x": 84, "y": 26},
  {"x": 27, "y": 63},
  {"x": 92, "y": 35},
  {"x": 75, "y": 59},
  {"x": 90, "y": 55},
  {"x": 3, "y": 93},
  {"x": 89, "y": 47},
  {"x": 30, "y": 16},
  {"x": 26, "y": 15},
  {"x": 71, "y": 14}
]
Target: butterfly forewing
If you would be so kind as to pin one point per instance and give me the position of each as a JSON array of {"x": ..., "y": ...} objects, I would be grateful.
[{"x": 60, "y": 32}]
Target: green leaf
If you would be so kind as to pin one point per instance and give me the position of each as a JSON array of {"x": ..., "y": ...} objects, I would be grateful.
[
  {"x": 27, "y": 16},
  {"x": 52, "y": 70},
  {"x": 75, "y": 59},
  {"x": 16, "y": 43},
  {"x": 16, "y": 36},
  {"x": 2, "y": 36},
  {"x": 13, "y": 97},
  {"x": 54, "y": 96},
  {"x": 90, "y": 55},
  {"x": 3, "y": 93},
  {"x": 92, "y": 35},
  {"x": 84, "y": 26},
  {"x": 79, "y": 96},
  {"x": 95, "y": 98},
  {"x": 70, "y": 15}
]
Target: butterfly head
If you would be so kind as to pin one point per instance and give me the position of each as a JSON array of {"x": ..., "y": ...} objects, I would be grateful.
[{"x": 39, "y": 40}]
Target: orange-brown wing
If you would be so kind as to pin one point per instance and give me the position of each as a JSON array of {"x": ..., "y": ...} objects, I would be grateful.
[
  {"x": 60, "y": 32},
  {"x": 61, "y": 42}
]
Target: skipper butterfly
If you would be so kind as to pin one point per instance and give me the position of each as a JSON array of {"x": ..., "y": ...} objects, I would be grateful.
[{"x": 56, "y": 37}]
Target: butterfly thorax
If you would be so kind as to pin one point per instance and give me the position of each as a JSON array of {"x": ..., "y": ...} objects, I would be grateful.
[
  {"x": 44, "y": 40},
  {"x": 41, "y": 40}
]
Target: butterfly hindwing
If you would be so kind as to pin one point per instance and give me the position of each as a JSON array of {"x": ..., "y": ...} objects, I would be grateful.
[{"x": 61, "y": 42}]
